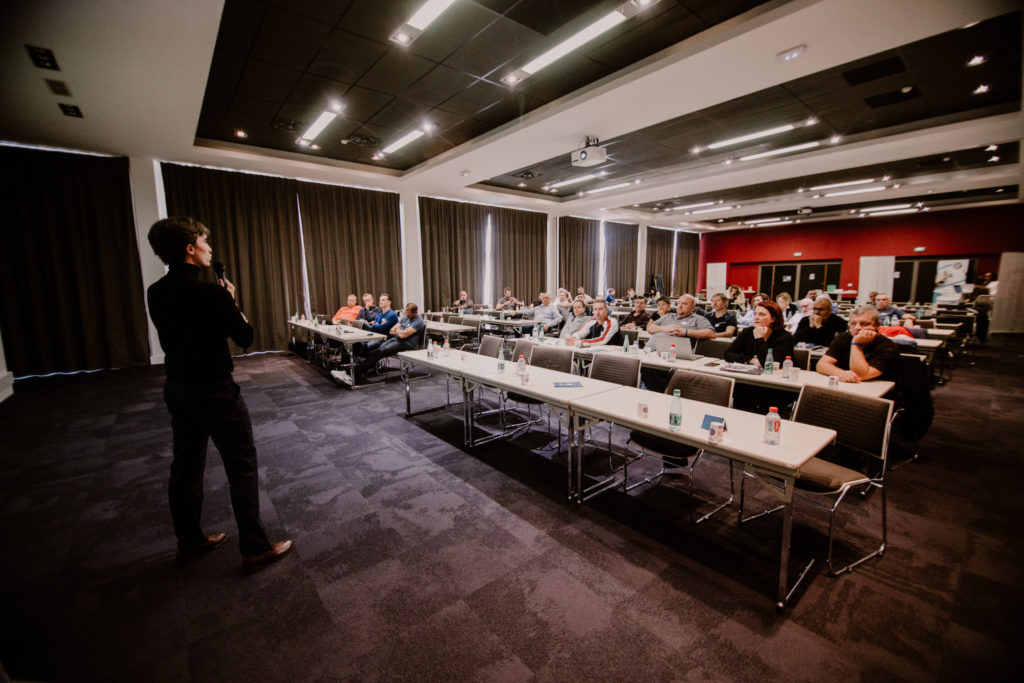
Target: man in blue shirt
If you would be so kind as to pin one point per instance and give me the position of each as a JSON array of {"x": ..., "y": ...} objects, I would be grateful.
[
  {"x": 386, "y": 319},
  {"x": 404, "y": 335}
]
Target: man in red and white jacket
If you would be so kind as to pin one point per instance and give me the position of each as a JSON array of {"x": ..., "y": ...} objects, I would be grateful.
[{"x": 597, "y": 331}]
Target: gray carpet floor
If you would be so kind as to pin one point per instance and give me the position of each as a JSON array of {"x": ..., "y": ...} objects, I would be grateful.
[{"x": 417, "y": 559}]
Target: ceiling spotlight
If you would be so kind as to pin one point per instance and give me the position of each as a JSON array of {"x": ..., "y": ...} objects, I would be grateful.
[
  {"x": 907, "y": 89},
  {"x": 428, "y": 127},
  {"x": 727, "y": 162},
  {"x": 886, "y": 178},
  {"x": 315, "y": 147},
  {"x": 302, "y": 142},
  {"x": 790, "y": 54},
  {"x": 811, "y": 121},
  {"x": 992, "y": 159},
  {"x": 552, "y": 190},
  {"x": 401, "y": 38},
  {"x": 241, "y": 134},
  {"x": 511, "y": 78},
  {"x": 981, "y": 89},
  {"x": 815, "y": 196},
  {"x": 696, "y": 149},
  {"x": 464, "y": 173},
  {"x": 800, "y": 190},
  {"x": 835, "y": 139},
  {"x": 991, "y": 148},
  {"x": 1001, "y": 189},
  {"x": 377, "y": 156},
  {"x": 976, "y": 60},
  {"x": 521, "y": 185},
  {"x": 336, "y": 106}
]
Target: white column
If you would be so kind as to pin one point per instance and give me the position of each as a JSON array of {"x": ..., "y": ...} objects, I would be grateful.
[
  {"x": 552, "y": 257},
  {"x": 412, "y": 249},
  {"x": 6, "y": 377},
  {"x": 875, "y": 275},
  {"x": 149, "y": 206},
  {"x": 641, "y": 258},
  {"x": 715, "y": 280},
  {"x": 1008, "y": 309}
]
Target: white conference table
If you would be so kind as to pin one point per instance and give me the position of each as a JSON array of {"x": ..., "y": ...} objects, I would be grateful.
[
  {"x": 501, "y": 322},
  {"x": 742, "y": 442},
  {"x": 349, "y": 336},
  {"x": 437, "y": 327}
]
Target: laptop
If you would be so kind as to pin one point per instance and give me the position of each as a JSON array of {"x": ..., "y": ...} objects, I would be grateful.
[{"x": 684, "y": 345}]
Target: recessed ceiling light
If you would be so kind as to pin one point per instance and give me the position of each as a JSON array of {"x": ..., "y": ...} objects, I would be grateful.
[
  {"x": 302, "y": 142},
  {"x": 511, "y": 78},
  {"x": 1000, "y": 189},
  {"x": 464, "y": 173},
  {"x": 403, "y": 141},
  {"x": 551, "y": 189},
  {"x": 241, "y": 134},
  {"x": 981, "y": 89},
  {"x": 573, "y": 181},
  {"x": 835, "y": 139},
  {"x": 377, "y": 156},
  {"x": 781, "y": 150},
  {"x": 887, "y": 207},
  {"x": 976, "y": 60},
  {"x": 992, "y": 159},
  {"x": 848, "y": 183},
  {"x": 800, "y": 190},
  {"x": 853, "y": 210},
  {"x": 991, "y": 148},
  {"x": 791, "y": 54},
  {"x": 336, "y": 106},
  {"x": 907, "y": 89},
  {"x": 424, "y": 16},
  {"x": 315, "y": 147},
  {"x": 609, "y": 187},
  {"x": 692, "y": 206},
  {"x": 751, "y": 136},
  {"x": 755, "y": 221},
  {"x": 891, "y": 213},
  {"x": 766, "y": 225},
  {"x": 521, "y": 185},
  {"x": 696, "y": 149},
  {"x": 886, "y": 178},
  {"x": 318, "y": 126},
  {"x": 727, "y": 162},
  {"x": 428, "y": 127},
  {"x": 717, "y": 208},
  {"x": 815, "y": 196},
  {"x": 876, "y": 188},
  {"x": 574, "y": 41},
  {"x": 812, "y": 121},
  {"x": 636, "y": 206}
]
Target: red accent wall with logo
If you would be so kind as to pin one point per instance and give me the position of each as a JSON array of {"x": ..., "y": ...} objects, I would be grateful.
[{"x": 982, "y": 233}]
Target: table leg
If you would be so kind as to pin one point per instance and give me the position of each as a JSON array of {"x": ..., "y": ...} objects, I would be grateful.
[
  {"x": 405, "y": 377},
  {"x": 787, "y": 535}
]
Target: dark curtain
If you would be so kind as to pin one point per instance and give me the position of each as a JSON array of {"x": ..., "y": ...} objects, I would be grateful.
[
  {"x": 452, "y": 237},
  {"x": 520, "y": 251},
  {"x": 620, "y": 255},
  {"x": 659, "y": 257},
  {"x": 687, "y": 257},
  {"x": 353, "y": 244},
  {"x": 72, "y": 295},
  {"x": 255, "y": 232},
  {"x": 579, "y": 253}
]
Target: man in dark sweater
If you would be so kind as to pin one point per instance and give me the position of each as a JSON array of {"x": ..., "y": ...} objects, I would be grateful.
[
  {"x": 822, "y": 326},
  {"x": 194, "y": 318},
  {"x": 861, "y": 354}
]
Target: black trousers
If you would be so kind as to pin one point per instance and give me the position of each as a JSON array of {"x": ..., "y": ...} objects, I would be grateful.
[{"x": 200, "y": 412}]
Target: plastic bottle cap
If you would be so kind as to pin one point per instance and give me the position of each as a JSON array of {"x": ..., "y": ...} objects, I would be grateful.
[
  {"x": 789, "y": 357},
  {"x": 773, "y": 409}
]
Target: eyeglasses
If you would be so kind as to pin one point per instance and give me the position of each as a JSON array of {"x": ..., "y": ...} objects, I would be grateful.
[{"x": 823, "y": 308}]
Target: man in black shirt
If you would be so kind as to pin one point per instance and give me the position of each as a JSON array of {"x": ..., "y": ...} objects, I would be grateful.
[
  {"x": 194, "y": 319},
  {"x": 862, "y": 354},
  {"x": 822, "y": 326}
]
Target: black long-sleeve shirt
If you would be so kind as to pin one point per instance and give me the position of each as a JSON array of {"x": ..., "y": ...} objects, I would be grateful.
[
  {"x": 746, "y": 346},
  {"x": 820, "y": 336},
  {"x": 194, "y": 320}
]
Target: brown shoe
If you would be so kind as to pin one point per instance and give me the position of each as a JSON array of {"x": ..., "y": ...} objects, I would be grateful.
[
  {"x": 211, "y": 542},
  {"x": 276, "y": 552}
]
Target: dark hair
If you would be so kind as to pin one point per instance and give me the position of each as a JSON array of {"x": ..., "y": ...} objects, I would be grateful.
[
  {"x": 665, "y": 299},
  {"x": 171, "y": 236},
  {"x": 413, "y": 308},
  {"x": 773, "y": 308}
]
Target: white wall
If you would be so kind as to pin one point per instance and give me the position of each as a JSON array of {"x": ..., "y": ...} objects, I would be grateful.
[
  {"x": 1008, "y": 312},
  {"x": 875, "y": 275},
  {"x": 149, "y": 207}
]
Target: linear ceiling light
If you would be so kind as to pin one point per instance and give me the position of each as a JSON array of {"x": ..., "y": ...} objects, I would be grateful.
[
  {"x": 691, "y": 206},
  {"x": 609, "y": 187},
  {"x": 893, "y": 213},
  {"x": 318, "y": 126},
  {"x": 578, "y": 39},
  {"x": 752, "y": 136},
  {"x": 717, "y": 208},
  {"x": 781, "y": 150},
  {"x": 403, "y": 141},
  {"x": 765, "y": 225},
  {"x": 764, "y": 220},
  {"x": 876, "y": 188},
  {"x": 573, "y": 181},
  {"x": 424, "y": 16},
  {"x": 887, "y": 207},
  {"x": 863, "y": 181}
]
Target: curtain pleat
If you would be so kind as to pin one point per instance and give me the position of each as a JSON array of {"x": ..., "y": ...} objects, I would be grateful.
[
  {"x": 579, "y": 253},
  {"x": 452, "y": 238},
  {"x": 687, "y": 257},
  {"x": 353, "y": 244},
  {"x": 620, "y": 255},
  {"x": 520, "y": 240},
  {"x": 659, "y": 257},
  {"x": 71, "y": 295},
  {"x": 255, "y": 231}
]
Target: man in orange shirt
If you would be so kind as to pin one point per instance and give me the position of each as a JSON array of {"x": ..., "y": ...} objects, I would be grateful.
[{"x": 348, "y": 312}]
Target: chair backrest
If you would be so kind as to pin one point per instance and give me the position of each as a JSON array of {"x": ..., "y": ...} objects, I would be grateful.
[
  {"x": 927, "y": 324},
  {"x": 455, "y": 320},
  {"x": 699, "y": 386},
  {"x": 552, "y": 357},
  {"x": 490, "y": 345},
  {"x": 802, "y": 358},
  {"x": 618, "y": 368},
  {"x": 915, "y": 397},
  {"x": 712, "y": 348},
  {"x": 860, "y": 422},
  {"x": 522, "y": 348}
]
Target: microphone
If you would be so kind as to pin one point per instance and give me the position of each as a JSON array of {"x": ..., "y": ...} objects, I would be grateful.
[{"x": 218, "y": 269}]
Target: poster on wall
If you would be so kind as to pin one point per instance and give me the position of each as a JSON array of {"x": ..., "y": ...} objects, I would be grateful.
[{"x": 949, "y": 281}]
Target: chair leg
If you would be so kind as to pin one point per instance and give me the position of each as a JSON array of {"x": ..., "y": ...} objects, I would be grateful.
[{"x": 831, "y": 523}]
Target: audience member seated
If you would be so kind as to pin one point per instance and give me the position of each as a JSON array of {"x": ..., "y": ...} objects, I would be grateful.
[
  {"x": 578, "y": 317},
  {"x": 767, "y": 332},
  {"x": 597, "y": 331},
  {"x": 684, "y": 322},
  {"x": 804, "y": 308},
  {"x": 638, "y": 318},
  {"x": 886, "y": 311},
  {"x": 404, "y": 335},
  {"x": 822, "y": 326},
  {"x": 368, "y": 313},
  {"x": 508, "y": 301},
  {"x": 564, "y": 299},
  {"x": 547, "y": 315},
  {"x": 348, "y": 312},
  {"x": 582, "y": 294},
  {"x": 632, "y": 296},
  {"x": 861, "y": 353},
  {"x": 747, "y": 319},
  {"x": 463, "y": 304},
  {"x": 386, "y": 318},
  {"x": 785, "y": 302},
  {"x": 737, "y": 299},
  {"x": 723, "y": 322}
]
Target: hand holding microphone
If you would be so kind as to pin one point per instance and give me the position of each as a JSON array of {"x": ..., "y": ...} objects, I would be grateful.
[{"x": 218, "y": 269}]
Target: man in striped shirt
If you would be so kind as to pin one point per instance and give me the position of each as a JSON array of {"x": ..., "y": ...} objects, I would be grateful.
[{"x": 597, "y": 331}]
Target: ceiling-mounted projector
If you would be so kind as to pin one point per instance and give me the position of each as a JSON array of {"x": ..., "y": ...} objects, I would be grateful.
[{"x": 589, "y": 156}]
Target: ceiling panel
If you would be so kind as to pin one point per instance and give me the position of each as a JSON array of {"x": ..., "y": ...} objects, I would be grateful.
[
  {"x": 345, "y": 56},
  {"x": 267, "y": 81},
  {"x": 323, "y": 11},
  {"x": 439, "y": 84},
  {"x": 395, "y": 71},
  {"x": 288, "y": 39},
  {"x": 497, "y": 45}
]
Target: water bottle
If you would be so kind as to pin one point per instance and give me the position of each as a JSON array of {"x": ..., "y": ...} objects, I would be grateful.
[
  {"x": 625, "y": 345},
  {"x": 772, "y": 426},
  {"x": 521, "y": 365},
  {"x": 447, "y": 348},
  {"x": 430, "y": 350},
  {"x": 672, "y": 353},
  {"x": 636, "y": 347},
  {"x": 787, "y": 368},
  {"x": 675, "y": 412},
  {"x": 536, "y": 331},
  {"x": 501, "y": 360},
  {"x": 540, "y": 335},
  {"x": 769, "y": 363}
]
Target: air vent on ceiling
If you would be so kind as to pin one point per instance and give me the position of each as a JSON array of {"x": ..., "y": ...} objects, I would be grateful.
[
  {"x": 932, "y": 162},
  {"x": 874, "y": 71},
  {"x": 526, "y": 175},
  {"x": 42, "y": 57},
  {"x": 892, "y": 97},
  {"x": 287, "y": 125},
  {"x": 58, "y": 87},
  {"x": 71, "y": 110},
  {"x": 361, "y": 140}
]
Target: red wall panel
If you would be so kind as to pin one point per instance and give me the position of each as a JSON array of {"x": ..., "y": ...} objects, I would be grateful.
[{"x": 984, "y": 232}]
